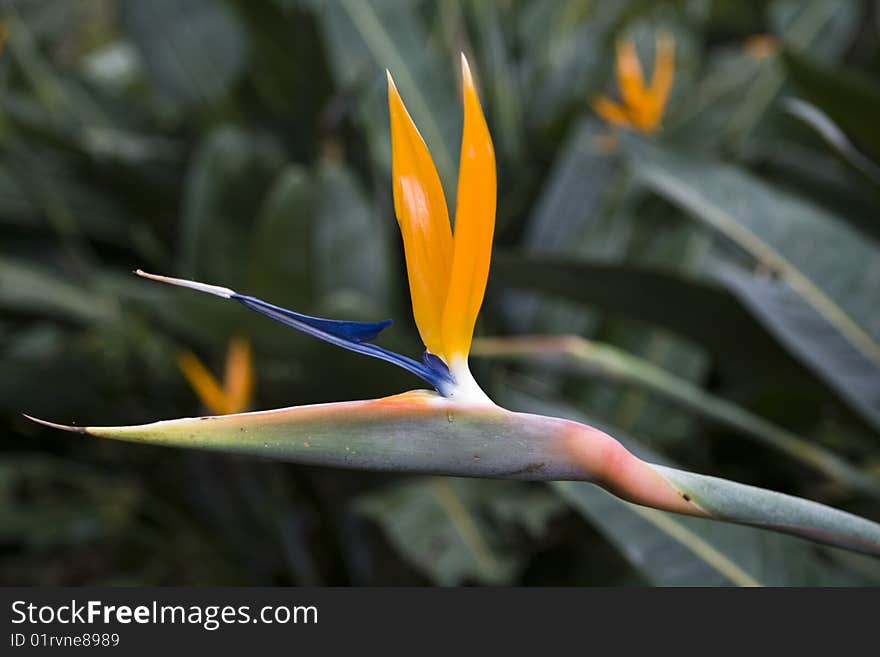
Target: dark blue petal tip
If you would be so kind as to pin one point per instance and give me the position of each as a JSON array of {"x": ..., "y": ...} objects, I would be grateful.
[{"x": 355, "y": 336}]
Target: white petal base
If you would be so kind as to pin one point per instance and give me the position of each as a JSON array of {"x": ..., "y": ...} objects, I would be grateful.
[{"x": 466, "y": 389}]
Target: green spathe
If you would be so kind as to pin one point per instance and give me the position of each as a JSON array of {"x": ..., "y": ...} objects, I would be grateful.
[{"x": 422, "y": 432}]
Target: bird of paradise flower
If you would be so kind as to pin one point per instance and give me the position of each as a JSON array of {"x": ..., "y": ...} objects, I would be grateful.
[
  {"x": 456, "y": 429},
  {"x": 447, "y": 271},
  {"x": 235, "y": 393},
  {"x": 642, "y": 105}
]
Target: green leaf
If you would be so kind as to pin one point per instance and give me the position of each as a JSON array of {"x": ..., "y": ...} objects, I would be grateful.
[
  {"x": 570, "y": 216},
  {"x": 229, "y": 176},
  {"x": 61, "y": 101},
  {"x": 29, "y": 289},
  {"x": 67, "y": 509},
  {"x": 812, "y": 337},
  {"x": 365, "y": 38},
  {"x": 349, "y": 278},
  {"x": 831, "y": 133},
  {"x": 718, "y": 318},
  {"x": 703, "y": 312},
  {"x": 194, "y": 51},
  {"x": 40, "y": 191},
  {"x": 850, "y": 98},
  {"x": 91, "y": 507},
  {"x": 564, "y": 55},
  {"x": 823, "y": 27},
  {"x": 462, "y": 530},
  {"x": 282, "y": 253},
  {"x": 503, "y": 96},
  {"x": 825, "y": 263},
  {"x": 828, "y": 263},
  {"x": 819, "y": 26}
]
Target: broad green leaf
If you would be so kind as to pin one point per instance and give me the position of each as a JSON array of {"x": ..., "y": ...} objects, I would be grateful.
[
  {"x": 282, "y": 253},
  {"x": 351, "y": 244},
  {"x": 823, "y": 27},
  {"x": 26, "y": 288},
  {"x": 587, "y": 208},
  {"x": 850, "y": 98},
  {"x": 812, "y": 338},
  {"x": 229, "y": 175},
  {"x": 99, "y": 140},
  {"x": 62, "y": 101},
  {"x": 66, "y": 508},
  {"x": 193, "y": 51},
  {"x": 795, "y": 160},
  {"x": 93, "y": 506},
  {"x": 571, "y": 216},
  {"x": 503, "y": 95},
  {"x": 575, "y": 194},
  {"x": 35, "y": 183},
  {"x": 703, "y": 312},
  {"x": 791, "y": 343},
  {"x": 287, "y": 78},
  {"x": 563, "y": 55},
  {"x": 364, "y": 39},
  {"x": 597, "y": 215},
  {"x": 462, "y": 530},
  {"x": 659, "y": 238},
  {"x": 831, "y": 133},
  {"x": 606, "y": 362},
  {"x": 817, "y": 25},
  {"x": 825, "y": 263},
  {"x": 800, "y": 242}
]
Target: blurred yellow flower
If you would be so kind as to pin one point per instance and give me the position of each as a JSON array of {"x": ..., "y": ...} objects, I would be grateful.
[
  {"x": 761, "y": 46},
  {"x": 642, "y": 105},
  {"x": 236, "y": 392}
]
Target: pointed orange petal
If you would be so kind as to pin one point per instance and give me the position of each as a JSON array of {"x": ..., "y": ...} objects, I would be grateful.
[
  {"x": 629, "y": 74},
  {"x": 612, "y": 112},
  {"x": 239, "y": 380},
  {"x": 203, "y": 383},
  {"x": 664, "y": 73},
  {"x": 474, "y": 225},
  {"x": 424, "y": 221}
]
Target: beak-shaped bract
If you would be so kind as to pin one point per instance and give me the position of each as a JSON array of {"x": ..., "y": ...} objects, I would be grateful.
[{"x": 447, "y": 272}]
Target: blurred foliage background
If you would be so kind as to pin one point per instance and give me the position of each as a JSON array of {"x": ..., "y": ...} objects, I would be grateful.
[{"x": 721, "y": 276}]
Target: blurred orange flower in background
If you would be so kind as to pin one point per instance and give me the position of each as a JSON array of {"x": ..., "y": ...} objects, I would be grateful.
[
  {"x": 642, "y": 105},
  {"x": 236, "y": 392}
]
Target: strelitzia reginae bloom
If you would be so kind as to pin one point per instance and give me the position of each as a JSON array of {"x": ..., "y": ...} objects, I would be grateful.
[
  {"x": 447, "y": 271},
  {"x": 456, "y": 429},
  {"x": 235, "y": 393},
  {"x": 642, "y": 105}
]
